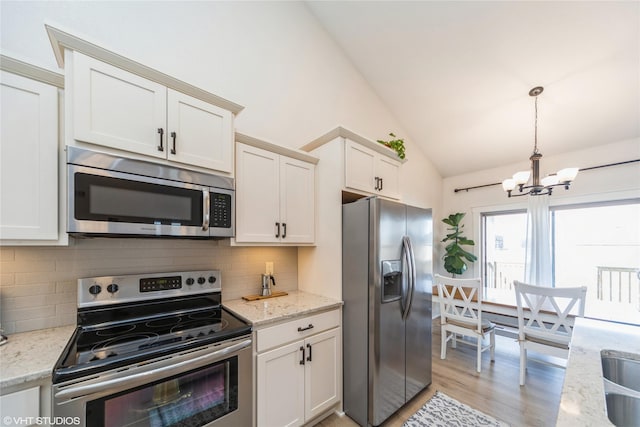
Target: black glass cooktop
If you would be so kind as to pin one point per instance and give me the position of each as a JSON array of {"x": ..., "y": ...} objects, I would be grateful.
[{"x": 98, "y": 346}]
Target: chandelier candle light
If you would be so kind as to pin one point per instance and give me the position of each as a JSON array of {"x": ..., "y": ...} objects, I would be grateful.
[{"x": 538, "y": 187}]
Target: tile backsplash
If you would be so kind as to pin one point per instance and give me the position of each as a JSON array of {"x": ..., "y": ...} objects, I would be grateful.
[{"x": 38, "y": 284}]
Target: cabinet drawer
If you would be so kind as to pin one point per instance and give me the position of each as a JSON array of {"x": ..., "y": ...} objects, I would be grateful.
[{"x": 286, "y": 332}]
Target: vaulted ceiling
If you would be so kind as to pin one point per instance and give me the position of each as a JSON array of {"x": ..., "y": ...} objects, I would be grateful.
[{"x": 456, "y": 74}]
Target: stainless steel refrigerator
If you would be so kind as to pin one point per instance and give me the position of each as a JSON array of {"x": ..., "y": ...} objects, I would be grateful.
[{"x": 387, "y": 256}]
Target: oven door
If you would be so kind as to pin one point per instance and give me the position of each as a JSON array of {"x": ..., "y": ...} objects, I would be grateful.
[
  {"x": 105, "y": 202},
  {"x": 210, "y": 386}
]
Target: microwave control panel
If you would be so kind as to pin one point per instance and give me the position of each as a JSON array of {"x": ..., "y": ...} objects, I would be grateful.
[{"x": 220, "y": 210}]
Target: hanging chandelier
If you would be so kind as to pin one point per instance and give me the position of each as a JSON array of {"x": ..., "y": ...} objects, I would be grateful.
[{"x": 538, "y": 187}]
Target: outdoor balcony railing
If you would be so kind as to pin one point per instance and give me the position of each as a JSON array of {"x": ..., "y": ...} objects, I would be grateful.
[
  {"x": 619, "y": 284},
  {"x": 613, "y": 284}
]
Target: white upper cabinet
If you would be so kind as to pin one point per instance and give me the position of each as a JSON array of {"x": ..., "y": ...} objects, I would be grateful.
[
  {"x": 121, "y": 110},
  {"x": 28, "y": 159},
  {"x": 369, "y": 171},
  {"x": 257, "y": 195},
  {"x": 297, "y": 200},
  {"x": 115, "y": 108},
  {"x": 200, "y": 133},
  {"x": 275, "y": 195}
]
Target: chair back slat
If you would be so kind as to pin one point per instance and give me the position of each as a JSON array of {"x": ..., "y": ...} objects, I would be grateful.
[
  {"x": 460, "y": 300},
  {"x": 548, "y": 313}
]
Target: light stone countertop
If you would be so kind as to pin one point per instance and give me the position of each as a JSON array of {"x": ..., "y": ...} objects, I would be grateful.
[
  {"x": 271, "y": 310},
  {"x": 30, "y": 356},
  {"x": 582, "y": 403}
]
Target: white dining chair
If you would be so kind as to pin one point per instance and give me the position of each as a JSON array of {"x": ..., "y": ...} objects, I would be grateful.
[
  {"x": 461, "y": 314},
  {"x": 545, "y": 319}
]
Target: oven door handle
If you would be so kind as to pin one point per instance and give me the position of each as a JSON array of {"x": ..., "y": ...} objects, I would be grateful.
[{"x": 142, "y": 378}]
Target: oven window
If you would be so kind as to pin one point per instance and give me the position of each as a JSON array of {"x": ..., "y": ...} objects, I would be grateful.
[{"x": 194, "y": 398}]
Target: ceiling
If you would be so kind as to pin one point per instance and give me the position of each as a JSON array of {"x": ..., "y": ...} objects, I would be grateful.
[{"x": 457, "y": 74}]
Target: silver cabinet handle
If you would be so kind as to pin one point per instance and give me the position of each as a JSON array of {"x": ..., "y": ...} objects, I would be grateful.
[
  {"x": 206, "y": 208},
  {"x": 146, "y": 377}
]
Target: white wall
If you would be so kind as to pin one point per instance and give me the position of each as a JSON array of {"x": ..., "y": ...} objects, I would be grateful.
[
  {"x": 613, "y": 183},
  {"x": 271, "y": 57}
]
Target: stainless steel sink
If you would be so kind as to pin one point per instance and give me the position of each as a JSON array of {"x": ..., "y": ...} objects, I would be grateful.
[
  {"x": 621, "y": 372},
  {"x": 623, "y": 410},
  {"x": 621, "y": 368}
]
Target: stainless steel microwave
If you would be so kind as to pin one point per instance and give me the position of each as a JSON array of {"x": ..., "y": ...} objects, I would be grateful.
[{"x": 110, "y": 196}]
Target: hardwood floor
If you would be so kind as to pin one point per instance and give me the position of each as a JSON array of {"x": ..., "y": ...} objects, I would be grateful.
[{"x": 495, "y": 391}]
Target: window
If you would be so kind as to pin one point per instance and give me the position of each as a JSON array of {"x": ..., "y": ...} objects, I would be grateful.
[{"x": 594, "y": 245}]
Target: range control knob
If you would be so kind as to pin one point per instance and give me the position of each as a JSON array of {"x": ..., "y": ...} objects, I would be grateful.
[
  {"x": 212, "y": 279},
  {"x": 113, "y": 288},
  {"x": 201, "y": 280},
  {"x": 95, "y": 289},
  {"x": 190, "y": 281}
]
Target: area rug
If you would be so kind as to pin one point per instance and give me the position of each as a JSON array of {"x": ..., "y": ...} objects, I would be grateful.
[{"x": 443, "y": 411}]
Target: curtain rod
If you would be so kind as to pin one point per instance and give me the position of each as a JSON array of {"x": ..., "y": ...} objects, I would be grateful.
[{"x": 581, "y": 170}]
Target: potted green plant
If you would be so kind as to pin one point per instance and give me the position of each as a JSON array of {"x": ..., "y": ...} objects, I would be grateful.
[
  {"x": 455, "y": 256},
  {"x": 396, "y": 144}
]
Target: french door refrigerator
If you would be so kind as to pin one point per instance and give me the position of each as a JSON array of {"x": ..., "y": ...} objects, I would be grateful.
[{"x": 387, "y": 252}]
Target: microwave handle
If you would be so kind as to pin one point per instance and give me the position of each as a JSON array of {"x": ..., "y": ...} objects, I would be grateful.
[{"x": 206, "y": 206}]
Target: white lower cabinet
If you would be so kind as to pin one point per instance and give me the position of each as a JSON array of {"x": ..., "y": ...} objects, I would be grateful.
[
  {"x": 300, "y": 380},
  {"x": 20, "y": 405}
]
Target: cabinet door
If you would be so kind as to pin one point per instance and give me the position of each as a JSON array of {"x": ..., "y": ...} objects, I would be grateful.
[
  {"x": 322, "y": 372},
  {"x": 388, "y": 170},
  {"x": 280, "y": 384},
  {"x": 28, "y": 159},
  {"x": 297, "y": 200},
  {"x": 359, "y": 167},
  {"x": 257, "y": 194},
  {"x": 199, "y": 133},
  {"x": 117, "y": 109}
]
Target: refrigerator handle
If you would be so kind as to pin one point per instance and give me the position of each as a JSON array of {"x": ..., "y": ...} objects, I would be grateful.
[
  {"x": 407, "y": 296},
  {"x": 412, "y": 281}
]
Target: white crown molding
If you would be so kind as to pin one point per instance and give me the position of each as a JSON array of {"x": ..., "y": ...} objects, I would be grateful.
[
  {"x": 278, "y": 149},
  {"x": 343, "y": 132},
  {"x": 21, "y": 68},
  {"x": 61, "y": 40}
]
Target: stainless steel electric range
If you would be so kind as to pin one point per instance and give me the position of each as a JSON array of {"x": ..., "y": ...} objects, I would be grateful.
[{"x": 155, "y": 350}]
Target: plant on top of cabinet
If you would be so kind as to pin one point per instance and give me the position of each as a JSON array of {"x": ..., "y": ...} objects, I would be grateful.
[{"x": 396, "y": 144}]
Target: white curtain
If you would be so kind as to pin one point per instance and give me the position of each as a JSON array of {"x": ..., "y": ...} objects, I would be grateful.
[{"x": 537, "y": 269}]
